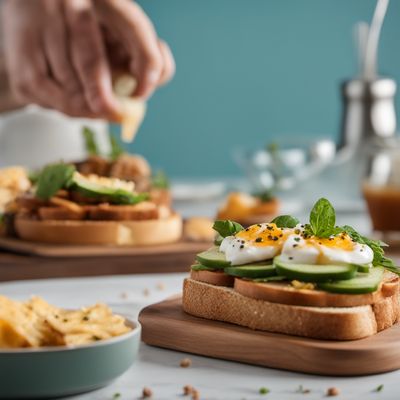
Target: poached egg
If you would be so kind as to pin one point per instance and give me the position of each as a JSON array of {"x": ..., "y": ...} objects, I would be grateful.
[{"x": 264, "y": 241}]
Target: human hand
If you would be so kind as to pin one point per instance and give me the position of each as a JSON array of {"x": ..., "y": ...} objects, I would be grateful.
[{"x": 60, "y": 53}]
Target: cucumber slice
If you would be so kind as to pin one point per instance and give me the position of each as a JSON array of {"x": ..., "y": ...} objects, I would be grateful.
[
  {"x": 314, "y": 273},
  {"x": 213, "y": 258},
  {"x": 361, "y": 283},
  {"x": 199, "y": 267},
  {"x": 252, "y": 270},
  {"x": 115, "y": 195}
]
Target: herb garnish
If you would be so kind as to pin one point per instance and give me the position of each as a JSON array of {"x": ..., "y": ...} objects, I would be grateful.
[
  {"x": 264, "y": 390},
  {"x": 226, "y": 227},
  {"x": 265, "y": 196},
  {"x": 160, "y": 180},
  {"x": 285, "y": 221},
  {"x": 322, "y": 220},
  {"x": 379, "y": 388},
  {"x": 90, "y": 141},
  {"x": 53, "y": 178},
  {"x": 116, "y": 148}
]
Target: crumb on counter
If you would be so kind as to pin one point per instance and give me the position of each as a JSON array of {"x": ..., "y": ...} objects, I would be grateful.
[
  {"x": 146, "y": 393},
  {"x": 146, "y": 292},
  {"x": 195, "y": 394},
  {"x": 160, "y": 286},
  {"x": 185, "y": 363},
  {"x": 332, "y": 391},
  {"x": 187, "y": 390},
  {"x": 124, "y": 295}
]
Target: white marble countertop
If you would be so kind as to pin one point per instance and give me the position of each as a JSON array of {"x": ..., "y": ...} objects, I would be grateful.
[{"x": 159, "y": 369}]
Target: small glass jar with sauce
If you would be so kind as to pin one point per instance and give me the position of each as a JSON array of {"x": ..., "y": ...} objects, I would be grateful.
[{"x": 381, "y": 187}]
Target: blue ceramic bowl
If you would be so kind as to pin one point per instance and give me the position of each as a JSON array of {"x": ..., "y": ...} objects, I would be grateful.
[{"x": 51, "y": 372}]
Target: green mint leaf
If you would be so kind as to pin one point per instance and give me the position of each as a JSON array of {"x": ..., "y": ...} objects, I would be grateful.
[
  {"x": 90, "y": 142},
  {"x": 227, "y": 228},
  {"x": 53, "y": 178},
  {"x": 322, "y": 218},
  {"x": 116, "y": 148},
  {"x": 160, "y": 180},
  {"x": 285, "y": 221}
]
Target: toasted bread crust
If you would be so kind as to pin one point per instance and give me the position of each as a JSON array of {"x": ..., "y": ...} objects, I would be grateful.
[{"x": 331, "y": 323}]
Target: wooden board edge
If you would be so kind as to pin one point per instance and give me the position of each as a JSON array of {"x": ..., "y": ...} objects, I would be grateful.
[
  {"x": 56, "y": 251},
  {"x": 318, "y": 357}
]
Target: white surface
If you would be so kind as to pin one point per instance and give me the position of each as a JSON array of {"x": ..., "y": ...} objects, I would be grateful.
[{"x": 159, "y": 369}]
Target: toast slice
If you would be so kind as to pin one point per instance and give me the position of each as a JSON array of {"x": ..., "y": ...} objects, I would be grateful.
[{"x": 331, "y": 323}]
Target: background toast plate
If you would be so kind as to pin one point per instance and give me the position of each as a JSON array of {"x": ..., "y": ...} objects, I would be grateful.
[{"x": 166, "y": 325}]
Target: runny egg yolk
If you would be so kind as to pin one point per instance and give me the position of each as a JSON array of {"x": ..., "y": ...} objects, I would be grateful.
[
  {"x": 342, "y": 242},
  {"x": 261, "y": 235}
]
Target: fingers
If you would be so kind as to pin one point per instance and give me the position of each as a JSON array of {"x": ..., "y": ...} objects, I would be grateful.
[
  {"x": 25, "y": 61},
  {"x": 89, "y": 58},
  {"x": 55, "y": 42},
  {"x": 136, "y": 32},
  {"x": 169, "y": 67}
]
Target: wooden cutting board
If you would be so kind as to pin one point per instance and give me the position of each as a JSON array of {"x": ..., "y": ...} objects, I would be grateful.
[
  {"x": 27, "y": 260},
  {"x": 166, "y": 325},
  {"x": 55, "y": 250}
]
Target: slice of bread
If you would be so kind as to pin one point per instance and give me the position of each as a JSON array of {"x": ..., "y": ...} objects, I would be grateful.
[{"x": 331, "y": 323}]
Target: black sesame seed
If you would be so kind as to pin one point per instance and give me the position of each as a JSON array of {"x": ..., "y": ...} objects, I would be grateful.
[
  {"x": 259, "y": 239},
  {"x": 290, "y": 258},
  {"x": 241, "y": 246},
  {"x": 275, "y": 238},
  {"x": 295, "y": 245}
]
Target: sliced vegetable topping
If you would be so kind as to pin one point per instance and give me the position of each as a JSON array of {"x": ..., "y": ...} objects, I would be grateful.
[
  {"x": 314, "y": 273},
  {"x": 213, "y": 258},
  {"x": 361, "y": 283},
  {"x": 252, "y": 271}
]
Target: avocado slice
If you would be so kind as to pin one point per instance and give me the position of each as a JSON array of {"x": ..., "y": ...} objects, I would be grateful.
[
  {"x": 252, "y": 271},
  {"x": 314, "y": 273},
  {"x": 199, "y": 267},
  {"x": 361, "y": 283},
  {"x": 114, "y": 195},
  {"x": 213, "y": 258}
]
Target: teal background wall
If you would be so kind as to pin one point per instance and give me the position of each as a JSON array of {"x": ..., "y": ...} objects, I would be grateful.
[{"x": 252, "y": 71}]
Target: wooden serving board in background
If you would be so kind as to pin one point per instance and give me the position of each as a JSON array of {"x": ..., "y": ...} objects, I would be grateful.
[
  {"x": 166, "y": 325},
  {"x": 27, "y": 260}
]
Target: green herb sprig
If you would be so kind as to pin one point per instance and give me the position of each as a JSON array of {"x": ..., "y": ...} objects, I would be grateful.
[
  {"x": 227, "y": 227},
  {"x": 285, "y": 221},
  {"x": 90, "y": 142}
]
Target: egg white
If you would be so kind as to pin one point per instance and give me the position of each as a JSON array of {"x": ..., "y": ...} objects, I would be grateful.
[
  {"x": 297, "y": 250},
  {"x": 238, "y": 251}
]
